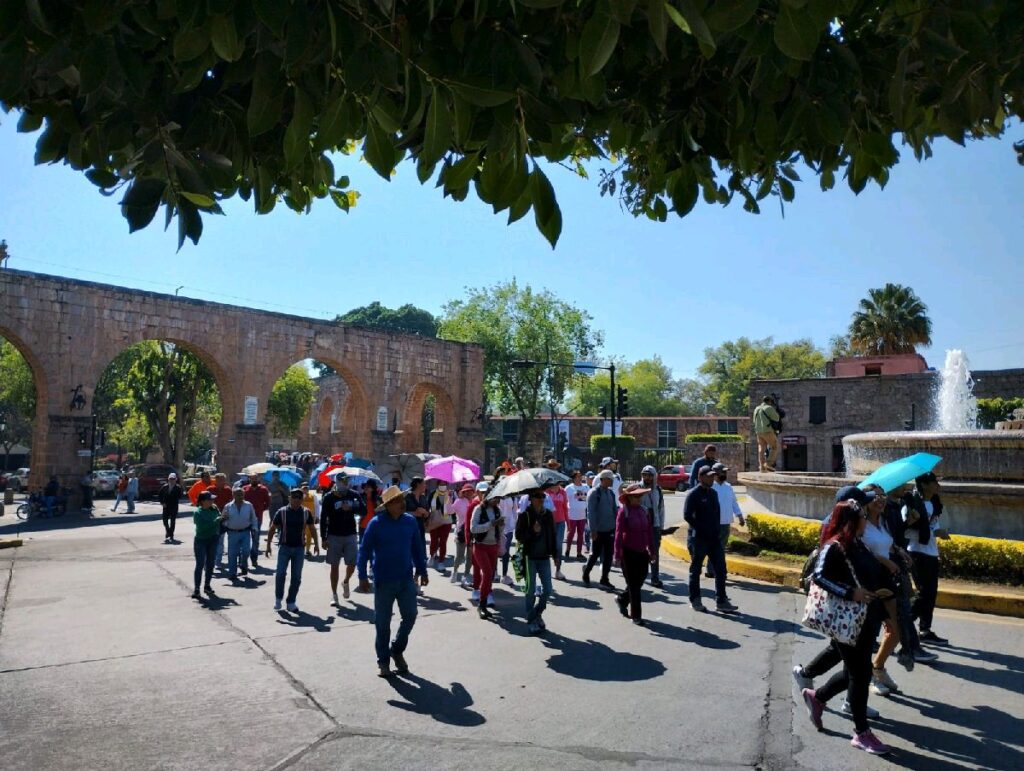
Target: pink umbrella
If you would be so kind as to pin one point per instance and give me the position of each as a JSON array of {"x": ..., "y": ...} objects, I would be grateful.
[{"x": 452, "y": 469}]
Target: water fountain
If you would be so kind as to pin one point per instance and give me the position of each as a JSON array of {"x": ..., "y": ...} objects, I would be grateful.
[{"x": 982, "y": 471}]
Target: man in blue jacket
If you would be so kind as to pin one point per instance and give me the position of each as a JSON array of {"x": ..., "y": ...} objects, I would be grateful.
[
  {"x": 702, "y": 514},
  {"x": 395, "y": 545}
]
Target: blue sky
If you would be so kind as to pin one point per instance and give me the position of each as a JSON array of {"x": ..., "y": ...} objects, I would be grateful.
[{"x": 951, "y": 227}]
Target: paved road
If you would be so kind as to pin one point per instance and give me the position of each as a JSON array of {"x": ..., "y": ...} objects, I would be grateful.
[{"x": 106, "y": 663}]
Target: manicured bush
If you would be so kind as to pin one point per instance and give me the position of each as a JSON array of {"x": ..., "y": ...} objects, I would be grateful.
[
  {"x": 784, "y": 534},
  {"x": 714, "y": 438},
  {"x": 982, "y": 559},
  {"x": 601, "y": 444}
]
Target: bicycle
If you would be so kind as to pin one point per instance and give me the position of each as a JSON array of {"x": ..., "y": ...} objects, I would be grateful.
[{"x": 35, "y": 506}]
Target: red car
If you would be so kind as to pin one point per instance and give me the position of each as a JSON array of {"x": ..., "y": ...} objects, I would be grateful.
[
  {"x": 674, "y": 478},
  {"x": 152, "y": 477}
]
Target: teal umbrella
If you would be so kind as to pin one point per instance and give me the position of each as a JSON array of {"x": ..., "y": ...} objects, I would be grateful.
[{"x": 899, "y": 472}]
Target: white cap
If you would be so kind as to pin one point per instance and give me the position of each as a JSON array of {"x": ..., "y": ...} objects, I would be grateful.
[
  {"x": 482, "y": 487},
  {"x": 172, "y": 475}
]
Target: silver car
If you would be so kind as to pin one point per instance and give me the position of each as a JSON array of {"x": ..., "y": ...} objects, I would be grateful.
[{"x": 106, "y": 481}]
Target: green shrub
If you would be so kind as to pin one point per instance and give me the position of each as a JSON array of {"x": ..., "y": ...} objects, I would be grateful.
[
  {"x": 784, "y": 534},
  {"x": 990, "y": 411},
  {"x": 601, "y": 444},
  {"x": 982, "y": 559},
  {"x": 714, "y": 438}
]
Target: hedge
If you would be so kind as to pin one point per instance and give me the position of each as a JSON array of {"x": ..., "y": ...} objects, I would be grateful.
[
  {"x": 712, "y": 438},
  {"x": 601, "y": 444},
  {"x": 961, "y": 556}
]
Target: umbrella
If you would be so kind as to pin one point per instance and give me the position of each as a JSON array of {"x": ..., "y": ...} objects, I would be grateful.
[
  {"x": 258, "y": 468},
  {"x": 527, "y": 479},
  {"x": 408, "y": 465},
  {"x": 356, "y": 475},
  {"x": 360, "y": 462},
  {"x": 289, "y": 477},
  {"x": 899, "y": 472},
  {"x": 452, "y": 469}
]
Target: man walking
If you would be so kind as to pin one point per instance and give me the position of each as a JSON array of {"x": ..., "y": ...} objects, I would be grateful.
[
  {"x": 240, "y": 522},
  {"x": 654, "y": 502},
  {"x": 702, "y": 514},
  {"x": 612, "y": 465},
  {"x": 291, "y": 520},
  {"x": 131, "y": 492},
  {"x": 708, "y": 459},
  {"x": 535, "y": 530},
  {"x": 728, "y": 506},
  {"x": 560, "y": 506},
  {"x": 394, "y": 544},
  {"x": 601, "y": 510},
  {"x": 258, "y": 495},
  {"x": 169, "y": 495},
  {"x": 340, "y": 511},
  {"x": 766, "y": 418}
]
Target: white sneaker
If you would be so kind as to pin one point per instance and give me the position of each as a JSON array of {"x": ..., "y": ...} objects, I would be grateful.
[
  {"x": 475, "y": 596},
  {"x": 277, "y": 605},
  {"x": 802, "y": 681},
  {"x": 292, "y": 607},
  {"x": 455, "y": 578},
  {"x": 507, "y": 580},
  {"x": 559, "y": 575},
  {"x": 869, "y": 711},
  {"x": 344, "y": 590},
  {"x": 879, "y": 688},
  {"x": 335, "y": 602}
]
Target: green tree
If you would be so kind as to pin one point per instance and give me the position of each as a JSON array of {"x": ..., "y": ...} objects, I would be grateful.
[
  {"x": 990, "y": 411},
  {"x": 131, "y": 433},
  {"x": 184, "y": 104},
  {"x": 17, "y": 399},
  {"x": 652, "y": 390},
  {"x": 890, "y": 320},
  {"x": 730, "y": 367},
  {"x": 408, "y": 319},
  {"x": 840, "y": 347},
  {"x": 289, "y": 400},
  {"x": 513, "y": 323}
]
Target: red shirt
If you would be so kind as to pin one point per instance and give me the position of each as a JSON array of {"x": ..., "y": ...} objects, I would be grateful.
[
  {"x": 222, "y": 496},
  {"x": 259, "y": 496},
  {"x": 560, "y": 500}
]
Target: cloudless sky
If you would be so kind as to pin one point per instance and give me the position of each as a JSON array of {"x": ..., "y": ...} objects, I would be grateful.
[{"x": 951, "y": 227}]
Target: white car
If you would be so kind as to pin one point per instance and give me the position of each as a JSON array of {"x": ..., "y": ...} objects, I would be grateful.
[
  {"x": 18, "y": 480},
  {"x": 106, "y": 481}
]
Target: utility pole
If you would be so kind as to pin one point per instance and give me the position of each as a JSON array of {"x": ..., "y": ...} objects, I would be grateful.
[{"x": 611, "y": 402}]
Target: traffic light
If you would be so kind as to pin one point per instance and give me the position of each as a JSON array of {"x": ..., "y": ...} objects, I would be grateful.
[
  {"x": 602, "y": 411},
  {"x": 622, "y": 402}
]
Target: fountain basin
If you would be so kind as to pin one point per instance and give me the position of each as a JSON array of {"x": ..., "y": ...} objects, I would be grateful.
[{"x": 969, "y": 456}]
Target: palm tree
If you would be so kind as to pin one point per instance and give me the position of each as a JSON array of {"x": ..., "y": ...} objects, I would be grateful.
[{"x": 890, "y": 320}]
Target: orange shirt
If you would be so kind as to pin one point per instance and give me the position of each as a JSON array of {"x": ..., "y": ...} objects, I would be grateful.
[{"x": 199, "y": 487}]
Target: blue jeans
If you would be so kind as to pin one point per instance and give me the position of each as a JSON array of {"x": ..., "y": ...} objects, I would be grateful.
[
  {"x": 384, "y": 597},
  {"x": 130, "y": 500},
  {"x": 203, "y": 548},
  {"x": 711, "y": 548},
  {"x": 536, "y": 568},
  {"x": 238, "y": 550},
  {"x": 295, "y": 555},
  {"x": 220, "y": 548},
  {"x": 559, "y": 540}
]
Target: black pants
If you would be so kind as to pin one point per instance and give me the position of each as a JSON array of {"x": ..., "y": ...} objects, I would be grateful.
[
  {"x": 855, "y": 676},
  {"x": 712, "y": 549},
  {"x": 634, "y": 570},
  {"x": 170, "y": 518},
  {"x": 926, "y": 576},
  {"x": 205, "y": 550},
  {"x": 827, "y": 658},
  {"x": 602, "y": 546}
]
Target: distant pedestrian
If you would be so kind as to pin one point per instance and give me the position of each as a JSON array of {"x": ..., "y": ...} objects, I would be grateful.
[
  {"x": 207, "y": 520},
  {"x": 240, "y": 523},
  {"x": 222, "y": 496},
  {"x": 766, "y": 420},
  {"x": 488, "y": 529},
  {"x": 535, "y": 531},
  {"x": 311, "y": 501},
  {"x": 170, "y": 496},
  {"x": 634, "y": 549},
  {"x": 132, "y": 491},
  {"x": 654, "y": 502},
  {"x": 201, "y": 485},
  {"x": 371, "y": 495},
  {"x": 292, "y": 520},
  {"x": 601, "y": 512},
  {"x": 439, "y": 525},
  {"x": 708, "y": 459},
  {"x": 394, "y": 545},
  {"x": 340, "y": 512},
  {"x": 119, "y": 491},
  {"x": 577, "y": 495},
  {"x": 278, "y": 492},
  {"x": 612, "y": 465},
  {"x": 258, "y": 495},
  {"x": 463, "y": 554},
  {"x": 560, "y": 509},
  {"x": 509, "y": 513},
  {"x": 728, "y": 507},
  {"x": 703, "y": 516}
]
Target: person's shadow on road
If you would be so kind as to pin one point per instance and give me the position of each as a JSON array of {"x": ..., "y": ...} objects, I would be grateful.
[
  {"x": 451, "y": 706},
  {"x": 592, "y": 660},
  {"x": 355, "y": 612},
  {"x": 216, "y": 602},
  {"x": 302, "y": 619},
  {"x": 690, "y": 635}
]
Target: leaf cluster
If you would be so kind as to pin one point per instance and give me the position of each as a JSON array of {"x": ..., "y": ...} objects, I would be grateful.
[
  {"x": 407, "y": 319},
  {"x": 890, "y": 320},
  {"x": 290, "y": 399},
  {"x": 653, "y": 390},
  {"x": 181, "y": 104},
  {"x": 17, "y": 397}
]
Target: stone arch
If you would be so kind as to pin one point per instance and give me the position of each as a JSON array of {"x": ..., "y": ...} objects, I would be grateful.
[
  {"x": 443, "y": 438},
  {"x": 325, "y": 412},
  {"x": 40, "y": 424}
]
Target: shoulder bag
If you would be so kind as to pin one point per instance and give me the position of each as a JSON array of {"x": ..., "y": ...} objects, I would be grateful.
[{"x": 839, "y": 618}]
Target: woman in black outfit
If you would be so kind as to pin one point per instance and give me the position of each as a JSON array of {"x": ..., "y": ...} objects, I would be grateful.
[{"x": 840, "y": 551}]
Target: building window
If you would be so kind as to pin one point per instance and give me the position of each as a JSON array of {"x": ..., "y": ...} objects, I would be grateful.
[
  {"x": 728, "y": 426},
  {"x": 872, "y": 369},
  {"x": 509, "y": 431},
  {"x": 817, "y": 411},
  {"x": 667, "y": 434}
]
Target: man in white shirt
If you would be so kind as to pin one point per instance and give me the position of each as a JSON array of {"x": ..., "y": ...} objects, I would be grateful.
[
  {"x": 241, "y": 520},
  {"x": 613, "y": 466},
  {"x": 728, "y": 506},
  {"x": 921, "y": 512}
]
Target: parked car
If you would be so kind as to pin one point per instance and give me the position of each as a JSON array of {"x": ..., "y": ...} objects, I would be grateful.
[
  {"x": 106, "y": 481},
  {"x": 152, "y": 477},
  {"x": 18, "y": 480},
  {"x": 673, "y": 478}
]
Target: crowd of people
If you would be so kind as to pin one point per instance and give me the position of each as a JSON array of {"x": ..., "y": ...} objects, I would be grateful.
[{"x": 872, "y": 544}]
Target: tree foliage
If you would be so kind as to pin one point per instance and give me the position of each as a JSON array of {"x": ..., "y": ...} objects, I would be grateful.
[
  {"x": 290, "y": 399},
  {"x": 992, "y": 410},
  {"x": 513, "y": 323},
  {"x": 17, "y": 399},
  {"x": 652, "y": 390},
  {"x": 407, "y": 319},
  {"x": 890, "y": 320},
  {"x": 183, "y": 103},
  {"x": 730, "y": 367}
]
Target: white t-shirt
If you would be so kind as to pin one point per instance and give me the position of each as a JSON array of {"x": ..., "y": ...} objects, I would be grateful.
[
  {"x": 509, "y": 510},
  {"x": 577, "y": 501},
  {"x": 913, "y": 544},
  {"x": 877, "y": 539}
]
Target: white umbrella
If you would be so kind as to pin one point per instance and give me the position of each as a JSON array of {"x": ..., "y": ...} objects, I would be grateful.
[
  {"x": 526, "y": 479},
  {"x": 359, "y": 476},
  {"x": 259, "y": 468}
]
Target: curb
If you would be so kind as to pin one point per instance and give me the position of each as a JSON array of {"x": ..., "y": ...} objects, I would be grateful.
[
  {"x": 10, "y": 543},
  {"x": 994, "y": 602}
]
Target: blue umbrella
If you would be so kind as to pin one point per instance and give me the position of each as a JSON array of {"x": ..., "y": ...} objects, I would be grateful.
[
  {"x": 899, "y": 472},
  {"x": 289, "y": 477}
]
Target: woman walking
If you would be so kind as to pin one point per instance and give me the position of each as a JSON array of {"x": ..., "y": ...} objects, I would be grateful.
[
  {"x": 119, "y": 490},
  {"x": 847, "y": 570},
  {"x": 487, "y": 527},
  {"x": 634, "y": 549},
  {"x": 460, "y": 508},
  {"x": 207, "y": 521},
  {"x": 439, "y": 526}
]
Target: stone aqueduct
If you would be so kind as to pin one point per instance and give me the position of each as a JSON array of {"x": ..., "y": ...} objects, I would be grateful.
[{"x": 69, "y": 331}]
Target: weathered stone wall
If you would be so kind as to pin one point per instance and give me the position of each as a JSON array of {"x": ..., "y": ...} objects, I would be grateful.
[
  {"x": 69, "y": 331},
  {"x": 999, "y": 383}
]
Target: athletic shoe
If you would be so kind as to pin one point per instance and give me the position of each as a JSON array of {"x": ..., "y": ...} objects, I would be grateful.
[
  {"x": 455, "y": 578},
  {"x": 606, "y": 583},
  {"x": 195, "y": 594},
  {"x": 361, "y": 590},
  {"x": 879, "y": 688},
  {"x": 725, "y": 607},
  {"x": 344, "y": 591},
  {"x": 802, "y": 681},
  {"x": 814, "y": 708},
  {"x": 532, "y": 628},
  {"x": 586, "y": 578},
  {"x": 483, "y": 613},
  {"x": 384, "y": 671},
  {"x": 698, "y": 606},
  {"x": 657, "y": 584},
  {"x": 905, "y": 659},
  {"x": 868, "y": 742},
  {"x": 623, "y": 607},
  {"x": 559, "y": 575},
  {"x": 639, "y": 622},
  {"x": 881, "y": 676},
  {"x": 209, "y": 590},
  {"x": 541, "y": 624},
  {"x": 475, "y": 596},
  {"x": 292, "y": 607},
  {"x": 490, "y": 601},
  {"x": 507, "y": 580},
  {"x": 870, "y": 712},
  {"x": 929, "y": 636},
  {"x": 400, "y": 663},
  {"x": 923, "y": 656},
  {"x": 277, "y": 605}
]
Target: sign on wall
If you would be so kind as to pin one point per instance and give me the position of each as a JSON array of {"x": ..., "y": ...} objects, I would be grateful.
[
  {"x": 559, "y": 426},
  {"x": 251, "y": 410},
  {"x": 382, "y": 418},
  {"x": 607, "y": 430}
]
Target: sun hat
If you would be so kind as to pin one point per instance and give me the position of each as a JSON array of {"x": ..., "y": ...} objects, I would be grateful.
[{"x": 390, "y": 494}]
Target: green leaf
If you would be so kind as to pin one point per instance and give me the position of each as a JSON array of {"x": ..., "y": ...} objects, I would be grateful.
[
  {"x": 266, "y": 101},
  {"x": 480, "y": 95},
  {"x": 797, "y": 33},
  {"x": 225, "y": 38},
  {"x": 273, "y": 13},
  {"x": 379, "y": 150},
  {"x": 729, "y": 15},
  {"x": 141, "y": 201},
  {"x": 600, "y": 36},
  {"x": 191, "y": 43},
  {"x": 684, "y": 192},
  {"x": 200, "y": 200},
  {"x": 50, "y": 145},
  {"x": 458, "y": 175},
  {"x": 29, "y": 122},
  {"x": 546, "y": 212},
  {"x": 337, "y": 123},
  {"x": 657, "y": 23},
  {"x": 519, "y": 209},
  {"x": 438, "y": 135},
  {"x": 689, "y": 20},
  {"x": 786, "y": 189},
  {"x": 190, "y": 224}
]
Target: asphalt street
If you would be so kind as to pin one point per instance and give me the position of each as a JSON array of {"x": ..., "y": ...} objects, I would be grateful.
[{"x": 105, "y": 662}]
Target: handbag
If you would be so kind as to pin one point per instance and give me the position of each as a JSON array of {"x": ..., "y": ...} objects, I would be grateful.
[
  {"x": 836, "y": 617},
  {"x": 437, "y": 519}
]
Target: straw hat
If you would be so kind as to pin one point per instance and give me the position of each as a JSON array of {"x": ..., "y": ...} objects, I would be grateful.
[{"x": 391, "y": 494}]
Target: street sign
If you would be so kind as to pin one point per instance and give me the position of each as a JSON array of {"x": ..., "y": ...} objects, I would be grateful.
[
  {"x": 585, "y": 367},
  {"x": 85, "y": 453}
]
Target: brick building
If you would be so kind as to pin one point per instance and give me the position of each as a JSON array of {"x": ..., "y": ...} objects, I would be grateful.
[{"x": 821, "y": 411}]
